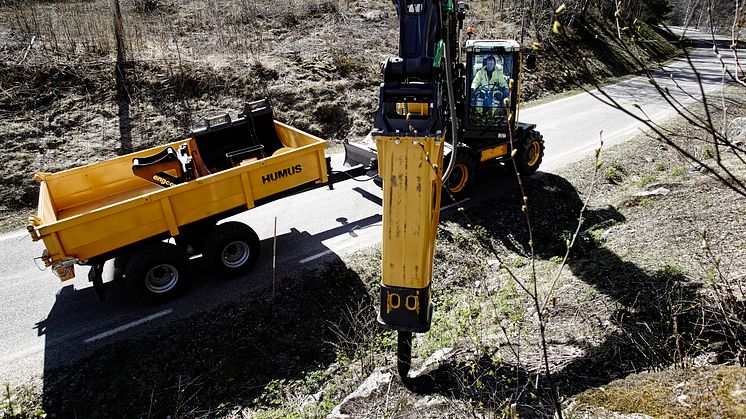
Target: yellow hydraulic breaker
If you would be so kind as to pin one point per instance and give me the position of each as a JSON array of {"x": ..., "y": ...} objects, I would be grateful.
[
  {"x": 410, "y": 132},
  {"x": 411, "y": 169}
]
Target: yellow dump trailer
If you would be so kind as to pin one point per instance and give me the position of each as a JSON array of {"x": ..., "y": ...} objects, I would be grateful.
[{"x": 128, "y": 205}]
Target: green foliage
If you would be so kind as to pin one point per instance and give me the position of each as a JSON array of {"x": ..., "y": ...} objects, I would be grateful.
[
  {"x": 588, "y": 293},
  {"x": 678, "y": 171},
  {"x": 646, "y": 203},
  {"x": 313, "y": 380},
  {"x": 671, "y": 271},
  {"x": 710, "y": 275},
  {"x": 458, "y": 317},
  {"x": 615, "y": 172},
  {"x": 660, "y": 167},
  {"x": 646, "y": 180},
  {"x": 312, "y": 410},
  {"x": 596, "y": 235},
  {"x": 709, "y": 152},
  {"x": 556, "y": 259},
  {"x": 509, "y": 302},
  {"x": 272, "y": 394},
  {"x": 15, "y": 405},
  {"x": 6, "y": 405},
  {"x": 520, "y": 262}
]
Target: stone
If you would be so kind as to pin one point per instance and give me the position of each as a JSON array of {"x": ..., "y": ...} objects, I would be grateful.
[
  {"x": 429, "y": 402},
  {"x": 659, "y": 191},
  {"x": 736, "y": 131},
  {"x": 433, "y": 362},
  {"x": 310, "y": 399},
  {"x": 375, "y": 381}
]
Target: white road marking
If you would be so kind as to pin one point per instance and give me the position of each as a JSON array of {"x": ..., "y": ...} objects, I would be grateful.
[
  {"x": 128, "y": 325},
  {"x": 316, "y": 256}
]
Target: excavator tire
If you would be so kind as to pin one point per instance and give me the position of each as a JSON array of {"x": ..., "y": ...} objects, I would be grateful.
[
  {"x": 461, "y": 180},
  {"x": 530, "y": 153}
]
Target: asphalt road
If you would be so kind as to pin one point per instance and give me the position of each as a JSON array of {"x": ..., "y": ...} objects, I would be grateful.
[{"x": 46, "y": 323}]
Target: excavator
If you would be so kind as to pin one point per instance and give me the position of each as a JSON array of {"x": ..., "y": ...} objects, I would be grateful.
[{"x": 443, "y": 99}]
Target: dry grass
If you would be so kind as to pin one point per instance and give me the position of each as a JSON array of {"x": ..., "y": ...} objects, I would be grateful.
[{"x": 700, "y": 393}]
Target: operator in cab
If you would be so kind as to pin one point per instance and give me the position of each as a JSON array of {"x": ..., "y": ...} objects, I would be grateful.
[{"x": 489, "y": 87}]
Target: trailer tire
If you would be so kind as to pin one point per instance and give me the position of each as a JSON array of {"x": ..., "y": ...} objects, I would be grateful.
[
  {"x": 231, "y": 248},
  {"x": 461, "y": 180},
  {"x": 530, "y": 153},
  {"x": 156, "y": 272}
]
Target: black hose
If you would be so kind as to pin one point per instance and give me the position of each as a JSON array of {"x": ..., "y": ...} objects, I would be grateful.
[{"x": 451, "y": 102}]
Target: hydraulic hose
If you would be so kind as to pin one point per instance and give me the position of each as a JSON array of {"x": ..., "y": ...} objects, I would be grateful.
[{"x": 451, "y": 100}]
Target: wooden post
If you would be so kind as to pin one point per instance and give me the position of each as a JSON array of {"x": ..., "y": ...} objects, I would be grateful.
[
  {"x": 118, "y": 32},
  {"x": 123, "y": 97},
  {"x": 274, "y": 262}
]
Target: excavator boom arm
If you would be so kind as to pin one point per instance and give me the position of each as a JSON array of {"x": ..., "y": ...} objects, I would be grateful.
[{"x": 410, "y": 131}]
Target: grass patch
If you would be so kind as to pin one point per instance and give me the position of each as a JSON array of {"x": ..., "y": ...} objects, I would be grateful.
[
  {"x": 671, "y": 272},
  {"x": 615, "y": 172},
  {"x": 646, "y": 203},
  {"x": 588, "y": 294},
  {"x": 556, "y": 260},
  {"x": 21, "y": 402},
  {"x": 703, "y": 393},
  {"x": 647, "y": 180},
  {"x": 678, "y": 171},
  {"x": 596, "y": 235},
  {"x": 520, "y": 261}
]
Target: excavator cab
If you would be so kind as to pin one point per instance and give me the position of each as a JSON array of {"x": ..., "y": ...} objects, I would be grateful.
[{"x": 492, "y": 74}]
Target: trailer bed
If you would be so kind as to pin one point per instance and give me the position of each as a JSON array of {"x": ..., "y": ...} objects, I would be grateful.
[{"x": 90, "y": 212}]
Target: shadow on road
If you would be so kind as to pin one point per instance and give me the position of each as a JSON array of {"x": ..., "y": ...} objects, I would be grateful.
[{"x": 224, "y": 355}]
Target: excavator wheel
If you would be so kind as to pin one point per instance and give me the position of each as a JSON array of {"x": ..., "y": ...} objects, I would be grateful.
[
  {"x": 461, "y": 180},
  {"x": 530, "y": 153}
]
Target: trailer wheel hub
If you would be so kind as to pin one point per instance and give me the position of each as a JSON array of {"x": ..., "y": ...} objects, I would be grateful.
[
  {"x": 161, "y": 278},
  {"x": 236, "y": 253}
]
